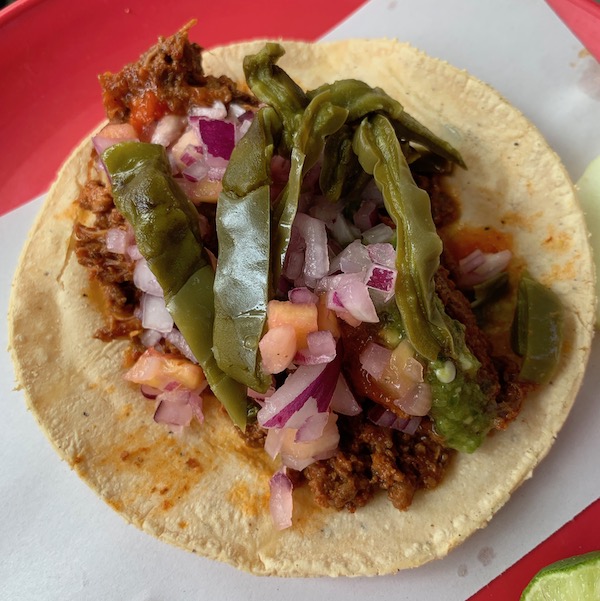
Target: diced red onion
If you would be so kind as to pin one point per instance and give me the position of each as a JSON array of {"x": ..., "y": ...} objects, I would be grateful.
[
  {"x": 309, "y": 409},
  {"x": 150, "y": 338},
  {"x": 217, "y": 112},
  {"x": 302, "y": 296},
  {"x": 134, "y": 252},
  {"x": 317, "y": 381},
  {"x": 366, "y": 216},
  {"x": 382, "y": 253},
  {"x": 195, "y": 171},
  {"x": 175, "y": 393},
  {"x": 385, "y": 418},
  {"x": 173, "y": 414},
  {"x": 382, "y": 278},
  {"x": 155, "y": 315},
  {"x": 333, "y": 301},
  {"x": 168, "y": 129},
  {"x": 312, "y": 428},
  {"x": 246, "y": 116},
  {"x": 321, "y": 343},
  {"x": 333, "y": 282},
  {"x": 281, "y": 502},
  {"x": 236, "y": 111},
  {"x": 274, "y": 441},
  {"x": 195, "y": 402},
  {"x": 145, "y": 280},
  {"x": 411, "y": 426},
  {"x": 321, "y": 349},
  {"x": 478, "y": 267},
  {"x": 116, "y": 133},
  {"x": 378, "y": 234},
  {"x": 175, "y": 337},
  {"x": 413, "y": 368},
  {"x": 216, "y": 167},
  {"x": 117, "y": 240},
  {"x": 149, "y": 392},
  {"x": 101, "y": 143},
  {"x": 381, "y": 416},
  {"x": 242, "y": 129},
  {"x": 355, "y": 299},
  {"x": 298, "y": 455},
  {"x": 343, "y": 400},
  {"x": 187, "y": 149},
  {"x": 417, "y": 401},
  {"x": 471, "y": 261},
  {"x": 218, "y": 136},
  {"x": 353, "y": 259},
  {"x": 316, "y": 257},
  {"x": 374, "y": 359},
  {"x": 348, "y": 318},
  {"x": 191, "y": 155}
]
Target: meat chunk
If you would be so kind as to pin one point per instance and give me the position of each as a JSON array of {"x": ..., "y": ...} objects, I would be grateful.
[
  {"x": 444, "y": 208},
  {"x": 372, "y": 458},
  {"x": 95, "y": 197},
  {"x": 167, "y": 78},
  {"x": 111, "y": 273}
]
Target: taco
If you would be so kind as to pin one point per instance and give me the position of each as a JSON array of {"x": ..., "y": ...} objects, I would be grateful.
[{"x": 329, "y": 272}]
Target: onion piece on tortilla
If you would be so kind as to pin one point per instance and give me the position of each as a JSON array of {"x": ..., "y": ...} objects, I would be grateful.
[
  {"x": 479, "y": 267},
  {"x": 281, "y": 503},
  {"x": 298, "y": 454}
]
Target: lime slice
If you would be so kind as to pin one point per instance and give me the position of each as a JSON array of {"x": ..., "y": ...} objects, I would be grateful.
[
  {"x": 588, "y": 191},
  {"x": 573, "y": 579}
]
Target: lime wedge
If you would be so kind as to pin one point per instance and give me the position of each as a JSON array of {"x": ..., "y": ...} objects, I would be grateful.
[
  {"x": 588, "y": 191},
  {"x": 573, "y": 579}
]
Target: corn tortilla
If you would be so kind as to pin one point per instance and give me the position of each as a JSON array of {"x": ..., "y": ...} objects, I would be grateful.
[{"x": 205, "y": 490}]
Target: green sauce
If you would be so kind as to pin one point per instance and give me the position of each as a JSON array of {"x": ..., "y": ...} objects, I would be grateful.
[{"x": 460, "y": 411}]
